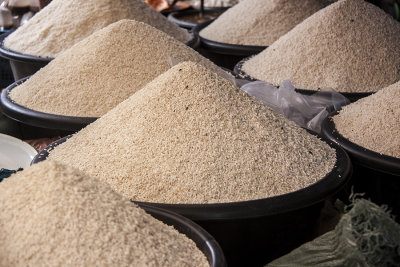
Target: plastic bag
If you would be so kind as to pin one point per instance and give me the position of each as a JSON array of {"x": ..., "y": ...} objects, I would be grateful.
[
  {"x": 366, "y": 235},
  {"x": 308, "y": 111}
]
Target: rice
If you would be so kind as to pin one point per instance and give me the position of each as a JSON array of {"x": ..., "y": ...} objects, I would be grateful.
[
  {"x": 259, "y": 22},
  {"x": 190, "y": 136},
  {"x": 373, "y": 122},
  {"x": 62, "y": 23},
  {"x": 102, "y": 70},
  {"x": 350, "y": 46},
  {"x": 54, "y": 215}
]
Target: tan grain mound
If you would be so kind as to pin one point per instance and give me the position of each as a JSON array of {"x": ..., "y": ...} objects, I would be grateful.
[
  {"x": 54, "y": 215},
  {"x": 373, "y": 122},
  {"x": 102, "y": 70},
  {"x": 62, "y": 24},
  {"x": 190, "y": 136},
  {"x": 350, "y": 46},
  {"x": 259, "y": 22}
]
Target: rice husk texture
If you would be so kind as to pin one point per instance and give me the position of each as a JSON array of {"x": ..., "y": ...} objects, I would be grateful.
[
  {"x": 190, "y": 136},
  {"x": 259, "y": 22},
  {"x": 54, "y": 215},
  {"x": 102, "y": 70},
  {"x": 373, "y": 122},
  {"x": 63, "y": 23},
  {"x": 350, "y": 46}
]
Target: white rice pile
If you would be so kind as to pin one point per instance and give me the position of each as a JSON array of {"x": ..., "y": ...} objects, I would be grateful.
[
  {"x": 259, "y": 22},
  {"x": 54, "y": 215},
  {"x": 190, "y": 136},
  {"x": 350, "y": 46},
  {"x": 63, "y": 23},
  {"x": 102, "y": 70},
  {"x": 373, "y": 122}
]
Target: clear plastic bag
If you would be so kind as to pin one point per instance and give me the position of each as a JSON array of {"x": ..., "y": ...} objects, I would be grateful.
[{"x": 307, "y": 111}]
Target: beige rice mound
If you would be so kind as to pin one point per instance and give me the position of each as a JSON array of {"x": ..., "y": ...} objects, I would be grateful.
[
  {"x": 350, "y": 46},
  {"x": 102, "y": 70},
  {"x": 373, "y": 122},
  {"x": 54, "y": 215},
  {"x": 190, "y": 136},
  {"x": 62, "y": 24},
  {"x": 259, "y": 22}
]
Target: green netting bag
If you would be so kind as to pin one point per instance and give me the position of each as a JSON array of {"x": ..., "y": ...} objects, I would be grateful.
[{"x": 366, "y": 235}]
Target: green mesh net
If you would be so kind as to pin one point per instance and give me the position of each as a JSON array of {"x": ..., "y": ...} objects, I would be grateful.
[{"x": 366, "y": 235}]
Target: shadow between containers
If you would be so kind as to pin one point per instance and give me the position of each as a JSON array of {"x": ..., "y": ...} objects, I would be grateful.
[
  {"x": 238, "y": 71},
  {"x": 39, "y": 119}
]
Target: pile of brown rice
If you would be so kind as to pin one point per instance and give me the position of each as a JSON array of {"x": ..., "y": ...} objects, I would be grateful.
[
  {"x": 63, "y": 23},
  {"x": 259, "y": 22},
  {"x": 190, "y": 136},
  {"x": 102, "y": 70},
  {"x": 54, "y": 215},
  {"x": 373, "y": 122},
  {"x": 350, "y": 46}
]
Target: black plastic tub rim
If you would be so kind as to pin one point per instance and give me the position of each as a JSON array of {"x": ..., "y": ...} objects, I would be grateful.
[
  {"x": 37, "y": 118},
  {"x": 225, "y": 48},
  {"x": 332, "y": 183},
  {"x": 361, "y": 155}
]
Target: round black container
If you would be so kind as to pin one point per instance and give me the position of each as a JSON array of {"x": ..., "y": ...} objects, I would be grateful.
[
  {"x": 47, "y": 124},
  {"x": 224, "y": 55},
  {"x": 21, "y": 65},
  {"x": 239, "y": 73},
  {"x": 252, "y": 233},
  {"x": 204, "y": 241},
  {"x": 376, "y": 175},
  {"x": 189, "y": 19}
]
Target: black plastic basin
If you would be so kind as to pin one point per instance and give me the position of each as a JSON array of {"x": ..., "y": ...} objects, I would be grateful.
[
  {"x": 50, "y": 124},
  {"x": 252, "y": 233},
  {"x": 376, "y": 175},
  {"x": 22, "y": 65}
]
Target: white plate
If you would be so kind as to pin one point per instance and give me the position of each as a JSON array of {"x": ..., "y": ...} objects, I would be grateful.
[{"x": 15, "y": 153}]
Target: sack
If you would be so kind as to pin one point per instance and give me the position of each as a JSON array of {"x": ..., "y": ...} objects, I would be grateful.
[{"x": 366, "y": 235}]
